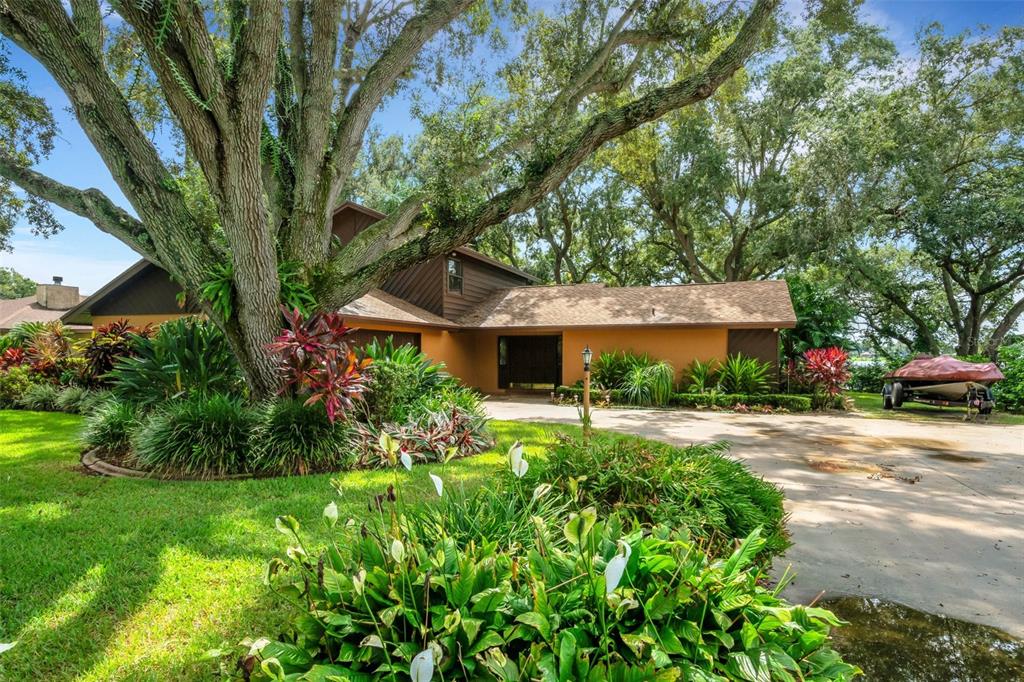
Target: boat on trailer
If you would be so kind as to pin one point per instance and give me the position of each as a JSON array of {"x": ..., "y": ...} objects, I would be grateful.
[{"x": 942, "y": 380}]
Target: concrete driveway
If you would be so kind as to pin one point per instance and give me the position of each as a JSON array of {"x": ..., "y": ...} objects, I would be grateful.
[{"x": 927, "y": 514}]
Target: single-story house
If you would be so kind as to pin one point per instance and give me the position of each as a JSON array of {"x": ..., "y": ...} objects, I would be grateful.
[
  {"x": 49, "y": 304},
  {"x": 496, "y": 328}
]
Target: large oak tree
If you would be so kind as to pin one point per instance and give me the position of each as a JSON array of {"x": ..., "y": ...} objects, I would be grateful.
[{"x": 271, "y": 102}]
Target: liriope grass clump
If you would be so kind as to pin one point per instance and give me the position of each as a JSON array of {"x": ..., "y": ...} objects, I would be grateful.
[
  {"x": 199, "y": 436},
  {"x": 295, "y": 438}
]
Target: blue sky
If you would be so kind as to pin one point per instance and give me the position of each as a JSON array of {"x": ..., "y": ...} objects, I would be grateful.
[{"x": 88, "y": 258}]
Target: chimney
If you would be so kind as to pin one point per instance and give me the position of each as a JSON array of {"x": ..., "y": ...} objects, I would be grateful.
[{"x": 56, "y": 296}]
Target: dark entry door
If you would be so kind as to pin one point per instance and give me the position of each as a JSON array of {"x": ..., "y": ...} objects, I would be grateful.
[{"x": 529, "y": 361}]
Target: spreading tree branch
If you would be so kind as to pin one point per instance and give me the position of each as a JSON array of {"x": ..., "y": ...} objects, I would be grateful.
[{"x": 400, "y": 241}]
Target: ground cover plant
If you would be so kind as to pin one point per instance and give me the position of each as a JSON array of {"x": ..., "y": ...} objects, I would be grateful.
[
  {"x": 590, "y": 596},
  {"x": 696, "y": 486}
]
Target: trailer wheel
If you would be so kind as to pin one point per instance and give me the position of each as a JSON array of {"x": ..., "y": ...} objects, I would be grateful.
[{"x": 897, "y": 394}]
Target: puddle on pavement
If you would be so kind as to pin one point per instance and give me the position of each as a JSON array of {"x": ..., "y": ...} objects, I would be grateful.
[
  {"x": 834, "y": 465},
  {"x": 896, "y": 643},
  {"x": 957, "y": 459}
]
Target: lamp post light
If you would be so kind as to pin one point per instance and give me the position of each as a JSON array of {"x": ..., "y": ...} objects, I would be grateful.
[{"x": 587, "y": 356}]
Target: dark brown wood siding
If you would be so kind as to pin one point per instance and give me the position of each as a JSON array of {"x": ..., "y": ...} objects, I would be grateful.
[
  {"x": 762, "y": 344},
  {"x": 479, "y": 280},
  {"x": 422, "y": 285},
  {"x": 151, "y": 292},
  {"x": 346, "y": 224}
]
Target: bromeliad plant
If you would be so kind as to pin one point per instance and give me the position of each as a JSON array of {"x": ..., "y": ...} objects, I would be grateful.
[
  {"x": 317, "y": 363},
  {"x": 584, "y": 599}
]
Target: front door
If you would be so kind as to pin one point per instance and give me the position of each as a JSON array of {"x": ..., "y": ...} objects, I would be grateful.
[{"x": 529, "y": 362}]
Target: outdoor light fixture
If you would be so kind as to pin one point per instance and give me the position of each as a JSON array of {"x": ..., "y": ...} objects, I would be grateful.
[{"x": 587, "y": 355}]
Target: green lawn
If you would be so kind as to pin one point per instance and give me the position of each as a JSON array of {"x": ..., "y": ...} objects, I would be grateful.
[
  {"x": 870, "y": 404},
  {"x": 119, "y": 579}
]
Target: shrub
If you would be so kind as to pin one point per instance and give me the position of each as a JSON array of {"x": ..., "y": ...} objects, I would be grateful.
[
  {"x": 697, "y": 486},
  {"x": 106, "y": 346},
  {"x": 50, "y": 348},
  {"x": 14, "y": 382},
  {"x": 649, "y": 384},
  {"x": 316, "y": 362},
  {"x": 702, "y": 377},
  {"x": 867, "y": 377},
  {"x": 199, "y": 436},
  {"x": 93, "y": 399},
  {"x": 13, "y": 357},
  {"x": 445, "y": 399},
  {"x": 435, "y": 437},
  {"x": 39, "y": 396},
  {"x": 610, "y": 602},
  {"x": 187, "y": 356},
  {"x": 1010, "y": 392},
  {"x": 111, "y": 425},
  {"x": 69, "y": 399},
  {"x": 793, "y": 403},
  {"x": 609, "y": 368},
  {"x": 398, "y": 376},
  {"x": 742, "y": 374},
  {"x": 824, "y": 370},
  {"x": 293, "y": 438}
]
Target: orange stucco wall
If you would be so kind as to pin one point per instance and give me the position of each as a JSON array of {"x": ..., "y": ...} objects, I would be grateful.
[
  {"x": 136, "y": 320},
  {"x": 680, "y": 346}
]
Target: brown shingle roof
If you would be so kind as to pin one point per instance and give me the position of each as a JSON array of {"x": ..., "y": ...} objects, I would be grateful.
[
  {"x": 379, "y": 305},
  {"x": 731, "y": 304},
  {"x": 15, "y": 310}
]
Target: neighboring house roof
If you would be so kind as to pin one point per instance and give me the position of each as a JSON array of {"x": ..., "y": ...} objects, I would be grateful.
[
  {"x": 382, "y": 306},
  {"x": 755, "y": 304},
  {"x": 16, "y": 310}
]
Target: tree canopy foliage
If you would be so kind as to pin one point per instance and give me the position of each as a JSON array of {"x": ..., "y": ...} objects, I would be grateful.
[
  {"x": 15, "y": 285},
  {"x": 270, "y": 104}
]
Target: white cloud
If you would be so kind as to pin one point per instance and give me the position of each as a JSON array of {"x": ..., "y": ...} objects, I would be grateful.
[{"x": 39, "y": 261}]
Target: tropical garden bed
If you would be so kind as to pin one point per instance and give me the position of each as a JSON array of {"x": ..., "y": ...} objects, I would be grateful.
[{"x": 132, "y": 579}]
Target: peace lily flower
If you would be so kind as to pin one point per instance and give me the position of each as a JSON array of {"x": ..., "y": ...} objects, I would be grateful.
[
  {"x": 517, "y": 461},
  {"x": 397, "y": 550},
  {"x": 406, "y": 460},
  {"x": 616, "y": 567},
  {"x": 540, "y": 491},
  {"x": 438, "y": 484},
  {"x": 422, "y": 667},
  {"x": 6, "y": 646}
]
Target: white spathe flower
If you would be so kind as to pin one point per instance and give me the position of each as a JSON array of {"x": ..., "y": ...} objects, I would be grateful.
[
  {"x": 397, "y": 550},
  {"x": 515, "y": 454},
  {"x": 438, "y": 484},
  {"x": 616, "y": 568},
  {"x": 422, "y": 667},
  {"x": 540, "y": 491},
  {"x": 406, "y": 460},
  {"x": 516, "y": 460},
  {"x": 7, "y": 646}
]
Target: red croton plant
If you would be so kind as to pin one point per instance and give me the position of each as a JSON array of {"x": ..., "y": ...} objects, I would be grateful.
[
  {"x": 317, "y": 362},
  {"x": 825, "y": 370}
]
